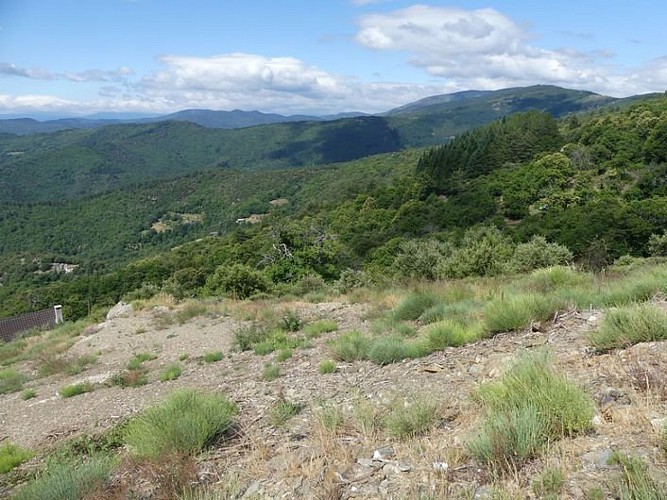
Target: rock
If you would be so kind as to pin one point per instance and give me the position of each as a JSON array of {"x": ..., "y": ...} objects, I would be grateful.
[
  {"x": 120, "y": 310},
  {"x": 592, "y": 320},
  {"x": 612, "y": 396},
  {"x": 658, "y": 424},
  {"x": 440, "y": 466},
  {"x": 366, "y": 462},
  {"x": 384, "y": 453},
  {"x": 251, "y": 490},
  {"x": 598, "y": 459},
  {"x": 596, "y": 421}
]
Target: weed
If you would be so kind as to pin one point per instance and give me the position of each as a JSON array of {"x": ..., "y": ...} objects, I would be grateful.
[
  {"x": 411, "y": 419},
  {"x": 68, "y": 479},
  {"x": 12, "y": 456},
  {"x": 185, "y": 423},
  {"x": 72, "y": 390},
  {"x": 630, "y": 325},
  {"x": 316, "y": 329},
  {"x": 290, "y": 321},
  {"x": 529, "y": 407},
  {"x": 28, "y": 394},
  {"x": 271, "y": 372},
  {"x": 137, "y": 361},
  {"x": 213, "y": 357},
  {"x": 171, "y": 372},
  {"x": 10, "y": 380},
  {"x": 283, "y": 411},
  {"x": 351, "y": 346},
  {"x": 636, "y": 481},
  {"x": 331, "y": 418},
  {"x": 327, "y": 366},
  {"x": 284, "y": 355},
  {"x": 246, "y": 337},
  {"x": 550, "y": 482}
]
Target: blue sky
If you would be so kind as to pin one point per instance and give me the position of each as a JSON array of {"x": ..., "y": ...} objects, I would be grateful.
[{"x": 75, "y": 57}]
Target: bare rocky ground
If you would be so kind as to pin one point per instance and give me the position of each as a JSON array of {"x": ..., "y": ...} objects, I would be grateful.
[{"x": 306, "y": 458}]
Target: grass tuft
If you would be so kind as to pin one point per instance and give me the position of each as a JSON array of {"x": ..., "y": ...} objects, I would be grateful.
[
  {"x": 12, "y": 456},
  {"x": 271, "y": 372},
  {"x": 527, "y": 409},
  {"x": 283, "y": 411},
  {"x": 318, "y": 328},
  {"x": 137, "y": 361},
  {"x": 351, "y": 346},
  {"x": 69, "y": 391},
  {"x": 68, "y": 479},
  {"x": 414, "y": 305},
  {"x": 28, "y": 394},
  {"x": 451, "y": 333},
  {"x": 636, "y": 480},
  {"x": 411, "y": 419},
  {"x": 185, "y": 423},
  {"x": 284, "y": 355},
  {"x": 171, "y": 372},
  {"x": 625, "y": 326},
  {"x": 213, "y": 357},
  {"x": 327, "y": 366},
  {"x": 10, "y": 380}
]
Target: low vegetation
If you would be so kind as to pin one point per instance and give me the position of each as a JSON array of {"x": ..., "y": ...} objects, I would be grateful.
[
  {"x": 186, "y": 423},
  {"x": 413, "y": 418},
  {"x": 171, "y": 372},
  {"x": 69, "y": 391},
  {"x": 628, "y": 325},
  {"x": 12, "y": 455},
  {"x": 636, "y": 482},
  {"x": 529, "y": 408}
]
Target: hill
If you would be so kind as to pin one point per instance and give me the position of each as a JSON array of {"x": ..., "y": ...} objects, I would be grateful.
[{"x": 75, "y": 163}]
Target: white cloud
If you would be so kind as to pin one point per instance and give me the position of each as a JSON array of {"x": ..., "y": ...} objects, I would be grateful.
[
  {"x": 485, "y": 49},
  {"x": 91, "y": 75}
]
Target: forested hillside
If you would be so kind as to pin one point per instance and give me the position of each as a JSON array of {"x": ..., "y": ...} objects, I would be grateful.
[{"x": 586, "y": 187}]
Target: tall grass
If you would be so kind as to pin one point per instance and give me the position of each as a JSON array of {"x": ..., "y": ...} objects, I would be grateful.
[
  {"x": 452, "y": 333},
  {"x": 351, "y": 346},
  {"x": 625, "y": 326},
  {"x": 12, "y": 455},
  {"x": 528, "y": 408},
  {"x": 414, "y": 305},
  {"x": 10, "y": 380},
  {"x": 412, "y": 418},
  {"x": 636, "y": 480},
  {"x": 185, "y": 423}
]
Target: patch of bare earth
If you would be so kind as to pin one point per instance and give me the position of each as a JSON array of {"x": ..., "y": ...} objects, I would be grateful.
[{"x": 309, "y": 457}]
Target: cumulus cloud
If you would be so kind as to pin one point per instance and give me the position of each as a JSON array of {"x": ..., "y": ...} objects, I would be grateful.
[
  {"x": 91, "y": 75},
  {"x": 483, "y": 49}
]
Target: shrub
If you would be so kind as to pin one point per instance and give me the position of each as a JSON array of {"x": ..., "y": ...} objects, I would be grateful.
[
  {"x": 12, "y": 456},
  {"x": 171, "y": 372},
  {"x": 70, "y": 391},
  {"x": 10, "y": 380},
  {"x": 484, "y": 251},
  {"x": 411, "y": 419},
  {"x": 528, "y": 408},
  {"x": 636, "y": 480},
  {"x": 185, "y": 423},
  {"x": 413, "y": 306},
  {"x": 314, "y": 330},
  {"x": 64, "y": 480},
  {"x": 271, "y": 372},
  {"x": 213, "y": 357},
  {"x": 130, "y": 378},
  {"x": 351, "y": 279},
  {"x": 283, "y": 411},
  {"x": 657, "y": 245},
  {"x": 28, "y": 394},
  {"x": 630, "y": 325},
  {"x": 239, "y": 280},
  {"x": 538, "y": 253},
  {"x": 421, "y": 259},
  {"x": 246, "y": 337},
  {"x": 553, "y": 278},
  {"x": 290, "y": 321},
  {"x": 52, "y": 364},
  {"x": 351, "y": 346},
  {"x": 327, "y": 366}
]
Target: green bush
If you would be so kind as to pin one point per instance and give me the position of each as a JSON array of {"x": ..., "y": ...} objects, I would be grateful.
[
  {"x": 412, "y": 419},
  {"x": 414, "y": 305},
  {"x": 290, "y": 321},
  {"x": 185, "y": 423},
  {"x": 327, "y": 366},
  {"x": 171, "y": 372},
  {"x": 72, "y": 390},
  {"x": 351, "y": 346},
  {"x": 421, "y": 259},
  {"x": 213, "y": 357},
  {"x": 239, "y": 281},
  {"x": 451, "y": 333},
  {"x": 528, "y": 408},
  {"x": 657, "y": 245},
  {"x": 69, "y": 480},
  {"x": 351, "y": 279},
  {"x": 12, "y": 456},
  {"x": 538, "y": 253},
  {"x": 625, "y": 326},
  {"x": 10, "y": 380},
  {"x": 246, "y": 337}
]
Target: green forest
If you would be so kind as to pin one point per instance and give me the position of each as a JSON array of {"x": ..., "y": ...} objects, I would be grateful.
[{"x": 528, "y": 190}]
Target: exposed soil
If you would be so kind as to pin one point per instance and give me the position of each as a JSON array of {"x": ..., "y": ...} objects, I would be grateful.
[{"x": 303, "y": 459}]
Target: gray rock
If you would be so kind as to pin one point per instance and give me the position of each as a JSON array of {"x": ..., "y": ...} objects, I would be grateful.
[
  {"x": 383, "y": 453},
  {"x": 120, "y": 310}
]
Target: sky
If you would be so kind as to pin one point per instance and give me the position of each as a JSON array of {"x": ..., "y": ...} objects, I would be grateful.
[{"x": 80, "y": 57}]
